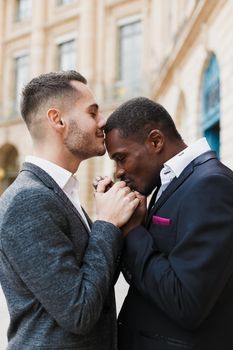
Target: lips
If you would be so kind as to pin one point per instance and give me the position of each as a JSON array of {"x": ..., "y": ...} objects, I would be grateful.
[
  {"x": 100, "y": 134},
  {"x": 127, "y": 181}
]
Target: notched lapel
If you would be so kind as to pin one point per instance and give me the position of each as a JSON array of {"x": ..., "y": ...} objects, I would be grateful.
[
  {"x": 50, "y": 183},
  {"x": 177, "y": 182},
  {"x": 172, "y": 187},
  {"x": 68, "y": 203}
]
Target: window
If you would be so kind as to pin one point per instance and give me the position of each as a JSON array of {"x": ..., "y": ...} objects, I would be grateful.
[
  {"x": 23, "y": 10},
  {"x": 130, "y": 57},
  {"x": 21, "y": 77},
  {"x": 64, "y": 2},
  {"x": 66, "y": 55},
  {"x": 211, "y": 104}
]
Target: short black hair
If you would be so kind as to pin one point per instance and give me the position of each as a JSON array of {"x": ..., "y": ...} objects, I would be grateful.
[
  {"x": 50, "y": 85},
  {"x": 138, "y": 116}
]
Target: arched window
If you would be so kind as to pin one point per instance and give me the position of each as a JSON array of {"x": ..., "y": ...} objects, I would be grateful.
[{"x": 211, "y": 104}]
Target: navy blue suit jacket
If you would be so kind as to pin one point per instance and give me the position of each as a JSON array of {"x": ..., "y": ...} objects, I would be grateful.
[{"x": 180, "y": 265}]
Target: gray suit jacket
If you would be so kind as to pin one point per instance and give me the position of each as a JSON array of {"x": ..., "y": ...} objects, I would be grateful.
[{"x": 56, "y": 276}]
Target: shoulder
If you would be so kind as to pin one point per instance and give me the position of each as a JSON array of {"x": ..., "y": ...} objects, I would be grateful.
[
  {"x": 25, "y": 200},
  {"x": 23, "y": 190}
]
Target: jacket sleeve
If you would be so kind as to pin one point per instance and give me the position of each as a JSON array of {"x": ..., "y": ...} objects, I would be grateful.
[
  {"x": 187, "y": 282},
  {"x": 44, "y": 258}
]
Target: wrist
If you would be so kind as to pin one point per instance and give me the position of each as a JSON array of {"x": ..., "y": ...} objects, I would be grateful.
[{"x": 107, "y": 219}]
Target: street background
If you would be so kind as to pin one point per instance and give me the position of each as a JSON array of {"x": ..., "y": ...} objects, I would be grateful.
[{"x": 176, "y": 52}]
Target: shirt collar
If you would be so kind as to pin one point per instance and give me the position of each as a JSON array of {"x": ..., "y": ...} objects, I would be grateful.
[
  {"x": 179, "y": 162},
  {"x": 59, "y": 174}
]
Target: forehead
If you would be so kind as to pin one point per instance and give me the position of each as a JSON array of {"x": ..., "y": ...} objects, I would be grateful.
[
  {"x": 84, "y": 93},
  {"x": 116, "y": 143}
]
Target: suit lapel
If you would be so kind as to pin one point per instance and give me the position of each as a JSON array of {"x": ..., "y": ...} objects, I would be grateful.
[
  {"x": 87, "y": 217},
  {"x": 50, "y": 183},
  {"x": 177, "y": 182},
  {"x": 152, "y": 202}
]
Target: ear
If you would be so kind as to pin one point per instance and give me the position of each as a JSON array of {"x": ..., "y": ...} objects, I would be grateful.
[
  {"x": 155, "y": 140},
  {"x": 55, "y": 119}
]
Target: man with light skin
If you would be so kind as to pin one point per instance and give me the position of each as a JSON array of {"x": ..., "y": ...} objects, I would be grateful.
[{"x": 56, "y": 266}]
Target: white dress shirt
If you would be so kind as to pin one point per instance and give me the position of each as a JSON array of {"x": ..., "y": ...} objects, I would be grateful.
[
  {"x": 174, "y": 166},
  {"x": 65, "y": 180}
]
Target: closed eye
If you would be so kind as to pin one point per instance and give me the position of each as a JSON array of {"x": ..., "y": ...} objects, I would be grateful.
[
  {"x": 93, "y": 114},
  {"x": 119, "y": 158},
  {"x": 93, "y": 110}
]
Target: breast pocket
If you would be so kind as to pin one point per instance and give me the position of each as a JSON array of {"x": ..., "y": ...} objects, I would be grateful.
[{"x": 164, "y": 236}]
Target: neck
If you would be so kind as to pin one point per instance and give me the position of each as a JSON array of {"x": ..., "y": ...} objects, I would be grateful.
[
  {"x": 178, "y": 148},
  {"x": 58, "y": 156},
  {"x": 173, "y": 149}
]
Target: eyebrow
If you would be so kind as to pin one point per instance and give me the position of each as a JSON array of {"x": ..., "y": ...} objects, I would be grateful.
[
  {"x": 117, "y": 154},
  {"x": 93, "y": 106}
]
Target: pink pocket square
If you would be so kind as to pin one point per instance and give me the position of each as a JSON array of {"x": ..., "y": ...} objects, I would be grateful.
[{"x": 158, "y": 220}]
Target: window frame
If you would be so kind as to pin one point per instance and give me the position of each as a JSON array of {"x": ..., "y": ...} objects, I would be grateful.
[
  {"x": 211, "y": 103},
  {"x": 20, "y": 11},
  {"x": 18, "y": 85},
  {"x": 125, "y": 86}
]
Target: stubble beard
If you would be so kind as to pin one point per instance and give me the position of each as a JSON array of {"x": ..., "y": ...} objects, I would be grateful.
[{"x": 80, "y": 143}]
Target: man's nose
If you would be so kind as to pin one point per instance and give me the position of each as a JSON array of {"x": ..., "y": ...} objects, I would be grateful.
[
  {"x": 101, "y": 121},
  {"x": 119, "y": 172}
]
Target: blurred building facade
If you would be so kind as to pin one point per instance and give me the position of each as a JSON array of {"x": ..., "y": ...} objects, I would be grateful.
[{"x": 177, "y": 52}]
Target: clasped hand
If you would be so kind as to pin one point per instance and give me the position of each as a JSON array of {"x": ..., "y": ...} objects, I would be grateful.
[{"x": 116, "y": 203}]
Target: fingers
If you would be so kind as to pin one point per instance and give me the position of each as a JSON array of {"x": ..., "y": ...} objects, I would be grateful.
[
  {"x": 140, "y": 197},
  {"x": 117, "y": 192},
  {"x": 103, "y": 184},
  {"x": 134, "y": 203},
  {"x": 131, "y": 195},
  {"x": 117, "y": 204},
  {"x": 125, "y": 190},
  {"x": 96, "y": 181},
  {"x": 120, "y": 184},
  {"x": 108, "y": 183}
]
